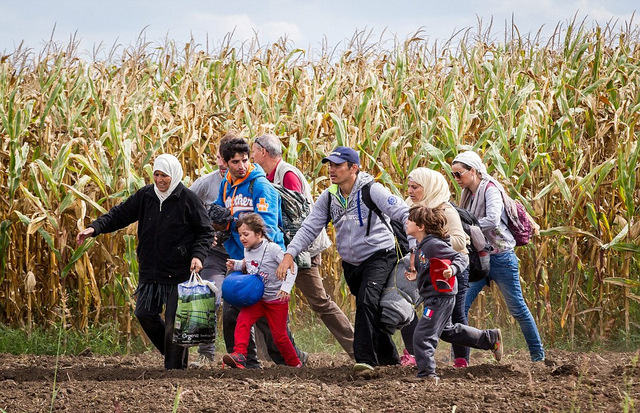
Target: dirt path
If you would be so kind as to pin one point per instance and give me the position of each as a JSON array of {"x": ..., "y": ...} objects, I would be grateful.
[{"x": 567, "y": 382}]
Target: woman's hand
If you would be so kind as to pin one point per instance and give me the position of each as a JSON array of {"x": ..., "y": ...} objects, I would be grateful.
[
  {"x": 196, "y": 264},
  {"x": 84, "y": 234},
  {"x": 283, "y": 295}
]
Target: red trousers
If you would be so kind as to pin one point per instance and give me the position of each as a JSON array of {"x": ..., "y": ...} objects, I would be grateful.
[{"x": 276, "y": 313}]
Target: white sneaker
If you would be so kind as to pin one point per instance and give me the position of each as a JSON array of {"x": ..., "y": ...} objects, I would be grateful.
[{"x": 204, "y": 360}]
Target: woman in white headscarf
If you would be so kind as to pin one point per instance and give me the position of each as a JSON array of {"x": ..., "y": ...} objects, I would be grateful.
[
  {"x": 429, "y": 188},
  {"x": 174, "y": 236},
  {"x": 482, "y": 196}
]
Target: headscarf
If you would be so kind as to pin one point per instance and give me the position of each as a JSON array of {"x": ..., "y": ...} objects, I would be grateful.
[
  {"x": 473, "y": 160},
  {"x": 169, "y": 165},
  {"x": 476, "y": 205},
  {"x": 436, "y": 189}
]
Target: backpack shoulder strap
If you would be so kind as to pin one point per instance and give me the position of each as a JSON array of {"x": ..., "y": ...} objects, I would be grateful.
[
  {"x": 326, "y": 224},
  {"x": 366, "y": 198}
]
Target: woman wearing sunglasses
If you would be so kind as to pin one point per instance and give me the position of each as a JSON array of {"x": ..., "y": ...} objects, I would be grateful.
[
  {"x": 481, "y": 195},
  {"x": 429, "y": 188}
]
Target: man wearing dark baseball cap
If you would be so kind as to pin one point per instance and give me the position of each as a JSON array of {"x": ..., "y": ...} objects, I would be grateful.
[
  {"x": 342, "y": 154},
  {"x": 366, "y": 245}
]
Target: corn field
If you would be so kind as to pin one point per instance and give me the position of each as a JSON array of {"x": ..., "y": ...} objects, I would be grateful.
[{"x": 554, "y": 119}]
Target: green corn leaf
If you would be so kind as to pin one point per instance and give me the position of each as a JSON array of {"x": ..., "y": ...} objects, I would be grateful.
[
  {"x": 76, "y": 255},
  {"x": 86, "y": 199}
]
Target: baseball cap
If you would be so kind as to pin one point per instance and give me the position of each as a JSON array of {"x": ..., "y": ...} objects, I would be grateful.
[{"x": 342, "y": 154}]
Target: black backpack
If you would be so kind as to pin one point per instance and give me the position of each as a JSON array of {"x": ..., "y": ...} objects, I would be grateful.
[
  {"x": 294, "y": 208},
  {"x": 479, "y": 264},
  {"x": 396, "y": 227}
]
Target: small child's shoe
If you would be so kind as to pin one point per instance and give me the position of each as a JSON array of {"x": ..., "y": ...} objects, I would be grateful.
[
  {"x": 234, "y": 360},
  {"x": 407, "y": 360},
  {"x": 460, "y": 363}
]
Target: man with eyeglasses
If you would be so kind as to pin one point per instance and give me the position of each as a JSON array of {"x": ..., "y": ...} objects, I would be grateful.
[{"x": 267, "y": 152}]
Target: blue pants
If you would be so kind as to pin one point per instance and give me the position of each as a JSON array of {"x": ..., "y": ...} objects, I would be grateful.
[
  {"x": 504, "y": 272},
  {"x": 459, "y": 315}
]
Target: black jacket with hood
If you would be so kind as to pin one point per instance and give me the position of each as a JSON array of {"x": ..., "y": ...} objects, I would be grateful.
[{"x": 168, "y": 237}]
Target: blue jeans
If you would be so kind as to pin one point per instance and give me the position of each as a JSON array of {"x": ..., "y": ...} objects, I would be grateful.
[
  {"x": 504, "y": 272},
  {"x": 460, "y": 312}
]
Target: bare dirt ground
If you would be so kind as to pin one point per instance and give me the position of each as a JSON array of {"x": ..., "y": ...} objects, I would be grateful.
[{"x": 566, "y": 382}]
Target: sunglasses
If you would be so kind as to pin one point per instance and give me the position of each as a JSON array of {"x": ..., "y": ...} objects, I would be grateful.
[{"x": 458, "y": 175}]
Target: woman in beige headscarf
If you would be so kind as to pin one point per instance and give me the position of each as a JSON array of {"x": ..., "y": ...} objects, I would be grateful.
[{"x": 429, "y": 188}]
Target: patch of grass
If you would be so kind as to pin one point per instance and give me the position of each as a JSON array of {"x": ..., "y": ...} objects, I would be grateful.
[
  {"x": 312, "y": 336},
  {"x": 105, "y": 340}
]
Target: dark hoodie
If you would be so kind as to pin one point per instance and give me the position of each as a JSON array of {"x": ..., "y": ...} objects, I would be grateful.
[
  {"x": 432, "y": 246},
  {"x": 167, "y": 239}
]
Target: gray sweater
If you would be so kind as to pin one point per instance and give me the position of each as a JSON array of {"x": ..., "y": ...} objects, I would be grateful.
[
  {"x": 264, "y": 260},
  {"x": 207, "y": 187},
  {"x": 350, "y": 221}
]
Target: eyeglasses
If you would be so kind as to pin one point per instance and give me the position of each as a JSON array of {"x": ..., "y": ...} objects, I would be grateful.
[
  {"x": 458, "y": 175},
  {"x": 257, "y": 142}
]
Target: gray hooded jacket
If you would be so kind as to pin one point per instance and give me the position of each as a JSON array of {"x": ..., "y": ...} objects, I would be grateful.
[{"x": 350, "y": 221}]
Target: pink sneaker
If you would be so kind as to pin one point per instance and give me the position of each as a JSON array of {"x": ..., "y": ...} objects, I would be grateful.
[
  {"x": 407, "y": 360},
  {"x": 460, "y": 363}
]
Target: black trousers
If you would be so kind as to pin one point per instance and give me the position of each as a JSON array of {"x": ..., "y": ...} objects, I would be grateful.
[
  {"x": 160, "y": 331},
  {"x": 366, "y": 282}
]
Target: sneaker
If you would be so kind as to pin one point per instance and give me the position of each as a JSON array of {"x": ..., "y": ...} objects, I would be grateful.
[
  {"x": 538, "y": 357},
  {"x": 460, "y": 363},
  {"x": 407, "y": 360},
  {"x": 360, "y": 367},
  {"x": 204, "y": 360},
  {"x": 234, "y": 360},
  {"x": 435, "y": 380},
  {"x": 497, "y": 347},
  {"x": 304, "y": 357}
]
